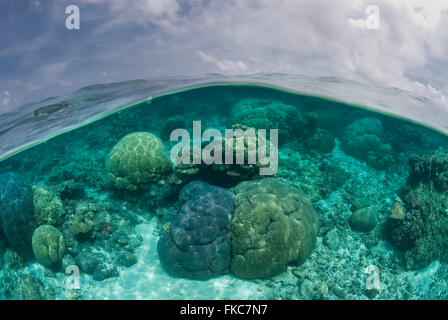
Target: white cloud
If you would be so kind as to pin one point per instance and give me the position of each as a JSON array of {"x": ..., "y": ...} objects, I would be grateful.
[
  {"x": 423, "y": 13},
  {"x": 313, "y": 37},
  {"x": 64, "y": 83},
  {"x": 53, "y": 70},
  {"x": 31, "y": 87},
  {"x": 162, "y": 13},
  {"x": 145, "y": 38},
  {"x": 35, "y": 4},
  {"x": 109, "y": 76},
  {"x": 224, "y": 65},
  {"x": 310, "y": 37},
  {"x": 6, "y": 99}
]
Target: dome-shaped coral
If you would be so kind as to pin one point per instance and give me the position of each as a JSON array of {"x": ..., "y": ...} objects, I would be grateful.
[
  {"x": 137, "y": 160},
  {"x": 363, "y": 139},
  {"x": 197, "y": 243},
  {"x": 48, "y": 207},
  {"x": 16, "y": 211},
  {"x": 268, "y": 114},
  {"x": 364, "y": 219},
  {"x": 48, "y": 245},
  {"x": 225, "y": 174},
  {"x": 273, "y": 225}
]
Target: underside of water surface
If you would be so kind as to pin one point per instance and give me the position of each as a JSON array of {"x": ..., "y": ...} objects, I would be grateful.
[{"x": 357, "y": 208}]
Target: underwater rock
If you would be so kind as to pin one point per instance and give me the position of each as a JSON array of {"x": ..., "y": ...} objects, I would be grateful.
[
  {"x": 67, "y": 261},
  {"x": 87, "y": 261},
  {"x": 96, "y": 264},
  {"x": 22, "y": 286},
  {"x": 397, "y": 210},
  {"x": 423, "y": 232},
  {"x": 136, "y": 161},
  {"x": 16, "y": 212},
  {"x": 48, "y": 207},
  {"x": 83, "y": 219},
  {"x": 331, "y": 239},
  {"x": 48, "y": 245},
  {"x": 364, "y": 219},
  {"x": 13, "y": 261},
  {"x": 273, "y": 225},
  {"x": 313, "y": 290},
  {"x": 363, "y": 140},
  {"x": 105, "y": 271},
  {"x": 432, "y": 169},
  {"x": 126, "y": 259},
  {"x": 105, "y": 229},
  {"x": 322, "y": 141},
  {"x": 197, "y": 243},
  {"x": 359, "y": 203},
  {"x": 16, "y": 284},
  {"x": 269, "y": 114},
  {"x": 333, "y": 177}
]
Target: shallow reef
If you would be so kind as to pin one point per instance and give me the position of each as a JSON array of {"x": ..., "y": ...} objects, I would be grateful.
[
  {"x": 422, "y": 229},
  {"x": 264, "y": 114},
  {"x": 16, "y": 211},
  {"x": 354, "y": 190},
  {"x": 364, "y": 139}
]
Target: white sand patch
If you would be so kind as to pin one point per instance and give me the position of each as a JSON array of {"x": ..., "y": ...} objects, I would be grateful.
[{"x": 147, "y": 279}]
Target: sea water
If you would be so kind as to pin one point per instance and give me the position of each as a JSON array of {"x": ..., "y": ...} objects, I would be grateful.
[{"x": 369, "y": 177}]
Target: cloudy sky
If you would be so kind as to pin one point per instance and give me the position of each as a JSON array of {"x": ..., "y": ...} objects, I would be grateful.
[{"x": 141, "y": 39}]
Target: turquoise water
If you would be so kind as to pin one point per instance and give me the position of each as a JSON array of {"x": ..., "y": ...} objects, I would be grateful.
[{"x": 355, "y": 191}]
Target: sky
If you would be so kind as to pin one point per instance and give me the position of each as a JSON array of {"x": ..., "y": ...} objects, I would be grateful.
[{"x": 122, "y": 40}]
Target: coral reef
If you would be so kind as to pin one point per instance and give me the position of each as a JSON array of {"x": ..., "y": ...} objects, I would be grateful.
[
  {"x": 25, "y": 287},
  {"x": 13, "y": 260},
  {"x": 71, "y": 190},
  {"x": 264, "y": 232},
  {"x": 158, "y": 197},
  {"x": 397, "y": 210},
  {"x": 83, "y": 219},
  {"x": 431, "y": 169},
  {"x": 101, "y": 237},
  {"x": 422, "y": 230},
  {"x": 268, "y": 114},
  {"x": 364, "y": 219},
  {"x": 136, "y": 161},
  {"x": 16, "y": 212},
  {"x": 48, "y": 245},
  {"x": 96, "y": 264},
  {"x": 48, "y": 207},
  {"x": 333, "y": 176},
  {"x": 197, "y": 243},
  {"x": 273, "y": 225},
  {"x": 321, "y": 141},
  {"x": 170, "y": 124},
  {"x": 225, "y": 174},
  {"x": 363, "y": 139}
]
